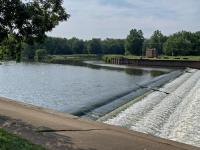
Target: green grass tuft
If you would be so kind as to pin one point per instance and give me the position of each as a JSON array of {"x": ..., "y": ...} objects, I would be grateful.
[{"x": 13, "y": 142}]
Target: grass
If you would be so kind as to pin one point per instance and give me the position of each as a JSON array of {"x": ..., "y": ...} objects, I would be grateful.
[
  {"x": 78, "y": 58},
  {"x": 67, "y": 59},
  {"x": 74, "y": 57},
  {"x": 13, "y": 142},
  {"x": 190, "y": 58},
  {"x": 108, "y": 58}
]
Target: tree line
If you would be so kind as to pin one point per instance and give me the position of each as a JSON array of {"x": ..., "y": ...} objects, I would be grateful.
[
  {"x": 63, "y": 46},
  {"x": 180, "y": 43},
  {"x": 22, "y": 35}
]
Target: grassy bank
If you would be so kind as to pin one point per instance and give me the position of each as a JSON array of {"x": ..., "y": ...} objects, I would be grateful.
[
  {"x": 70, "y": 59},
  {"x": 79, "y": 58},
  {"x": 108, "y": 58},
  {"x": 190, "y": 58},
  {"x": 12, "y": 142}
]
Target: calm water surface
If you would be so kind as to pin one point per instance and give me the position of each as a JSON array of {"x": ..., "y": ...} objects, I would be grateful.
[{"x": 67, "y": 88}]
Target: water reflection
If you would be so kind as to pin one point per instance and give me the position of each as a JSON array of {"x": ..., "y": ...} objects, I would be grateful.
[
  {"x": 127, "y": 70},
  {"x": 155, "y": 73},
  {"x": 137, "y": 72}
]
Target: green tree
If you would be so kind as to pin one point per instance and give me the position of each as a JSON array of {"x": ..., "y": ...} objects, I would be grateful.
[
  {"x": 77, "y": 46},
  {"x": 28, "y": 52},
  {"x": 94, "y": 46},
  {"x": 181, "y": 43},
  {"x": 134, "y": 42},
  {"x": 57, "y": 46},
  {"x": 8, "y": 48},
  {"x": 197, "y": 43},
  {"x": 28, "y": 21},
  {"x": 40, "y": 55},
  {"x": 157, "y": 40},
  {"x": 113, "y": 46}
]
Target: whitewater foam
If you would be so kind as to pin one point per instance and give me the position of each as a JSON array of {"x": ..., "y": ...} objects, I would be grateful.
[{"x": 174, "y": 116}]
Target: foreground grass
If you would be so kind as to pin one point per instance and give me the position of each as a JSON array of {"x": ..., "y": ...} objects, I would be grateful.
[{"x": 12, "y": 142}]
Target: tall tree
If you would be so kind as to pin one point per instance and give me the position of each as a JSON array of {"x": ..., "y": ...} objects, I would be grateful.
[
  {"x": 113, "y": 46},
  {"x": 157, "y": 40},
  {"x": 77, "y": 45},
  {"x": 180, "y": 43},
  {"x": 29, "y": 20},
  {"x": 94, "y": 46},
  {"x": 134, "y": 42},
  {"x": 197, "y": 43}
]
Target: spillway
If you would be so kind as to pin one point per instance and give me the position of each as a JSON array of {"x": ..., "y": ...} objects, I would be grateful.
[{"x": 172, "y": 112}]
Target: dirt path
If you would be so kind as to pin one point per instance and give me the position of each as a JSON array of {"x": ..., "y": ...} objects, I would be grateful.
[{"x": 80, "y": 134}]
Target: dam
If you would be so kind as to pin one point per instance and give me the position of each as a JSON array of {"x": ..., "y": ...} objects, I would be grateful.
[{"x": 171, "y": 113}]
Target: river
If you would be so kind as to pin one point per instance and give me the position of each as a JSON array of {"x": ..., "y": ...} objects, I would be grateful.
[{"x": 73, "y": 89}]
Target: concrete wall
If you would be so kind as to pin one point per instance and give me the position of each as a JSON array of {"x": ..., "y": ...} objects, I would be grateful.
[{"x": 156, "y": 63}]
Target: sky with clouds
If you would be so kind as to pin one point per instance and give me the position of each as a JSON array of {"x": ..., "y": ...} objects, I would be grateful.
[{"x": 114, "y": 18}]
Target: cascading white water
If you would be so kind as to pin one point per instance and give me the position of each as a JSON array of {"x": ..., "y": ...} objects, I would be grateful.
[
  {"x": 184, "y": 124},
  {"x": 138, "y": 110},
  {"x": 174, "y": 116}
]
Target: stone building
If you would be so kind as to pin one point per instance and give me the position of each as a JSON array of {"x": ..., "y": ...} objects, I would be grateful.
[{"x": 151, "y": 53}]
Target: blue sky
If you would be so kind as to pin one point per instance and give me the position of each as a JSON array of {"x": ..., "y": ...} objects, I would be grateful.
[{"x": 114, "y": 18}]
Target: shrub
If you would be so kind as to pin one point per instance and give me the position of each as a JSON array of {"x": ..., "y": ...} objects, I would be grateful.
[{"x": 40, "y": 55}]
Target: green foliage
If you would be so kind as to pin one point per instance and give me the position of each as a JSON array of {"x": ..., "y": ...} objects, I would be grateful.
[
  {"x": 13, "y": 142},
  {"x": 8, "y": 48},
  {"x": 182, "y": 43},
  {"x": 40, "y": 55},
  {"x": 77, "y": 46},
  {"x": 156, "y": 41},
  {"x": 196, "y": 43},
  {"x": 94, "y": 46},
  {"x": 3, "y": 52},
  {"x": 113, "y": 46},
  {"x": 28, "y": 52},
  {"x": 62, "y": 46},
  {"x": 31, "y": 19},
  {"x": 56, "y": 46},
  {"x": 28, "y": 21},
  {"x": 134, "y": 42}
]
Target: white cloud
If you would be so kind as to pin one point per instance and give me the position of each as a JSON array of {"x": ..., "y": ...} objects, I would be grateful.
[{"x": 100, "y": 18}]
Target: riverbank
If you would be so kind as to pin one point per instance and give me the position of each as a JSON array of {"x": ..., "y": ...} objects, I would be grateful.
[
  {"x": 108, "y": 58},
  {"x": 70, "y": 59},
  {"x": 138, "y": 61},
  {"x": 172, "y": 112},
  {"x": 81, "y": 134}
]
